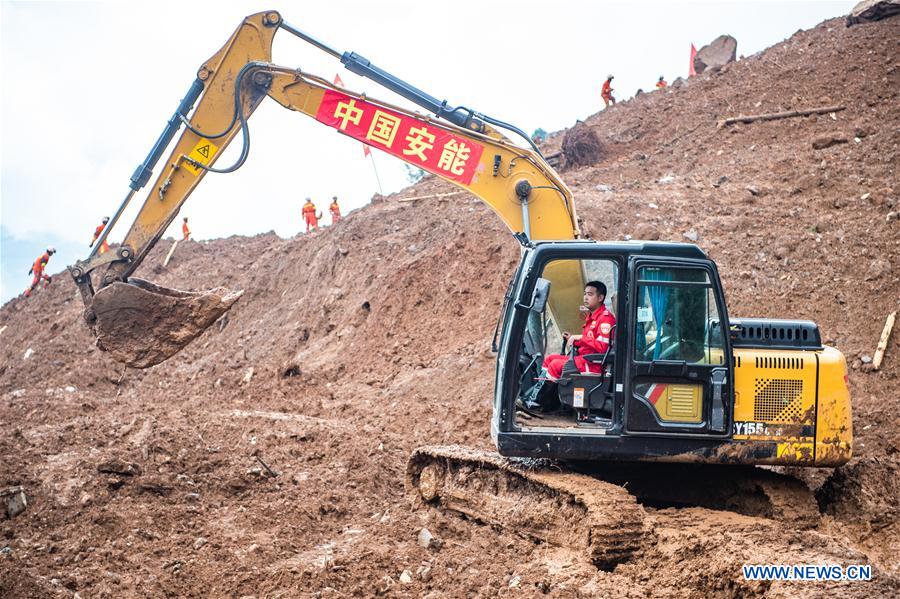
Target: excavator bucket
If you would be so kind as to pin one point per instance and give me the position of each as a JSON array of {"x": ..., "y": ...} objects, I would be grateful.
[{"x": 142, "y": 324}]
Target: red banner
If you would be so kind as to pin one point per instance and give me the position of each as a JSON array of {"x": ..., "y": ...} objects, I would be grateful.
[{"x": 423, "y": 144}]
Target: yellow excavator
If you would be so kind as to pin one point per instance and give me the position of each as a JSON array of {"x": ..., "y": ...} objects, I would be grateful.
[{"x": 679, "y": 384}]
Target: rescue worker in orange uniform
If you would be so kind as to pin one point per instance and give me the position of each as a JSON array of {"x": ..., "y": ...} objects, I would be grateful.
[
  {"x": 104, "y": 247},
  {"x": 606, "y": 92},
  {"x": 185, "y": 231},
  {"x": 335, "y": 210},
  {"x": 309, "y": 215},
  {"x": 661, "y": 84},
  {"x": 595, "y": 338},
  {"x": 38, "y": 270}
]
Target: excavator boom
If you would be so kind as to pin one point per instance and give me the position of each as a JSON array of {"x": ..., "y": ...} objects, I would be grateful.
[{"x": 457, "y": 144}]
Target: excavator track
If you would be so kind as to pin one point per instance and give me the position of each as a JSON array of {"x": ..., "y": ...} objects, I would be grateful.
[
  {"x": 530, "y": 498},
  {"x": 747, "y": 490}
]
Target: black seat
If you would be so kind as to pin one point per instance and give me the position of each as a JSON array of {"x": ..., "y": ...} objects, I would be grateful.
[{"x": 589, "y": 393}]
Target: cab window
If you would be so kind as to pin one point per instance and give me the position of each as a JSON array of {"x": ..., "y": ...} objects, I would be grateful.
[
  {"x": 566, "y": 295},
  {"x": 674, "y": 311}
]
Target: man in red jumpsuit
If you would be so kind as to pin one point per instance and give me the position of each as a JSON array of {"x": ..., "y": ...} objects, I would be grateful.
[
  {"x": 185, "y": 230},
  {"x": 38, "y": 269},
  {"x": 309, "y": 215},
  {"x": 606, "y": 92},
  {"x": 661, "y": 84},
  {"x": 335, "y": 210},
  {"x": 103, "y": 246},
  {"x": 595, "y": 338}
]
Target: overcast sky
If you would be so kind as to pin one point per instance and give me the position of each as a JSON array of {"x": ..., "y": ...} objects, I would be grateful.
[{"x": 88, "y": 87}]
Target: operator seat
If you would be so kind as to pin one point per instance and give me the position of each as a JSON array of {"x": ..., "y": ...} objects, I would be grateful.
[{"x": 589, "y": 393}]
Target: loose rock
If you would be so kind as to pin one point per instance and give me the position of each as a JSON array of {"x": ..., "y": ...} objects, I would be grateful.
[
  {"x": 425, "y": 538},
  {"x": 716, "y": 54},
  {"x": 14, "y": 501},
  {"x": 118, "y": 467},
  {"x": 878, "y": 269},
  {"x": 826, "y": 141}
]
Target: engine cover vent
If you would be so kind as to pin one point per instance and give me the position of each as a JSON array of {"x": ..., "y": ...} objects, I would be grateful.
[{"x": 778, "y": 400}]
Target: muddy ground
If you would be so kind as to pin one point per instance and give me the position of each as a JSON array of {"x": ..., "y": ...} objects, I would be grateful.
[{"x": 354, "y": 345}]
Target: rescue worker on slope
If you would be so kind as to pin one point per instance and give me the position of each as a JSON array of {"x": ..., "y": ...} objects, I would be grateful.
[
  {"x": 38, "y": 269},
  {"x": 104, "y": 247},
  {"x": 185, "y": 230},
  {"x": 335, "y": 210},
  {"x": 661, "y": 84},
  {"x": 606, "y": 92},
  {"x": 309, "y": 215},
  {"x": 594, "y": 339}
]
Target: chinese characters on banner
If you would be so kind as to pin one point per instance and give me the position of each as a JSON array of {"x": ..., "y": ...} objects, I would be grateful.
[{"x": 423, "y": 144}]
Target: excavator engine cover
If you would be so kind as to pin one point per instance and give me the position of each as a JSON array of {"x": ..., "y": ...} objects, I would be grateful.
[{"x": 142, "y": 324}]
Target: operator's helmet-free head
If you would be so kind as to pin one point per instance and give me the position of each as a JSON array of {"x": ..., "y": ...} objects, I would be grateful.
[
  {"x": 105, "y": 219},
  {"x": 51, "y": 250},
  {"x": 599, "y": 288}
]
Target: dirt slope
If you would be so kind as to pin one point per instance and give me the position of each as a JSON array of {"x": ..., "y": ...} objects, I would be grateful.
[{"x": 372, "y": 337}]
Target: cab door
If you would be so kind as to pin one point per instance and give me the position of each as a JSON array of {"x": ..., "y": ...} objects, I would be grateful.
[{"x": 679, "y": 378}]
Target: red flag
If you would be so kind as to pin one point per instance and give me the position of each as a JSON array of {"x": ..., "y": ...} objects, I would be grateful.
[
  {"x": 366, "y": 150},
  {"x": 691, "y": 71}
]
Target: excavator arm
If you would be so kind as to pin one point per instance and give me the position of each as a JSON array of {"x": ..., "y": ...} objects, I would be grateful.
[{"x": 459, "y": 145}]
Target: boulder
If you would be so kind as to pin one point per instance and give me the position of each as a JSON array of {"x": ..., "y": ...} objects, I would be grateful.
[
  {"x": 873, "y": 10},
  {"x": 716, "y": 54}
]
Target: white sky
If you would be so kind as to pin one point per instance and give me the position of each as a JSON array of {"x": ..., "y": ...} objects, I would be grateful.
[{"x": 88, "y": 87}]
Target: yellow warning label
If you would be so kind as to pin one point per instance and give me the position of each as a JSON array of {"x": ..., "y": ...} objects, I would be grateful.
[{"x": 203, "y": 153}]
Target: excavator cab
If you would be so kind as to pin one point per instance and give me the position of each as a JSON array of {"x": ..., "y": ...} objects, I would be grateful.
[{"x": 664, "y": 373}]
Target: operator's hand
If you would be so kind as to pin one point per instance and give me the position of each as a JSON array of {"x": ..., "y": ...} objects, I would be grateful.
[{"x": 574, "y": 338}]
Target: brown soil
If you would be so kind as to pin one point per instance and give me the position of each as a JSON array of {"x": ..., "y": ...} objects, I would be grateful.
[{"x": 358, "y": 343}]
